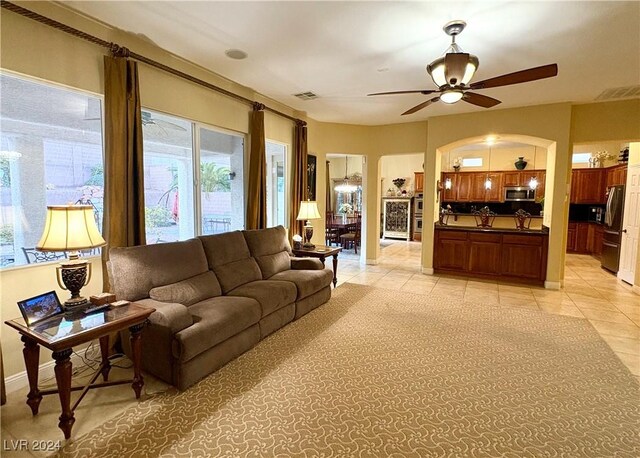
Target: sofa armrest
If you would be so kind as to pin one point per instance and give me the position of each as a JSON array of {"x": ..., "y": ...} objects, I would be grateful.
[
  {"x": 306, "y": 264},
  {"x": 170, "y": 315}
]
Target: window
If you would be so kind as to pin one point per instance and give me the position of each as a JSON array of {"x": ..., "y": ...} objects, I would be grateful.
[
  {"x": 472, "y": 162},
  {"x": 581, "y": 158},
  {"x": 171, "y": 199},
  {"x": 276, "y": 178},
  {"x": 221, "y": 181},
  {"x": 50, "y": 154}
]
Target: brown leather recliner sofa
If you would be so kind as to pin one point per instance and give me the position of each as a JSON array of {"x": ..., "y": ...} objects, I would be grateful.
[{"x": 215, "y": 297}]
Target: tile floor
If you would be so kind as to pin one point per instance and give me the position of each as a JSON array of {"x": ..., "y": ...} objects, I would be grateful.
[{"x": 590, "y": 293}]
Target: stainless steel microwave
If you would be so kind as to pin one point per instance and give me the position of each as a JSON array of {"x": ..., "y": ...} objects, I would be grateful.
[{"x": 519, "y": 194}]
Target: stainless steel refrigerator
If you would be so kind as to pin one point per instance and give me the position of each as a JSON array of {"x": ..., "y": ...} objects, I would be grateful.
[{"x": 612, "y": 228}]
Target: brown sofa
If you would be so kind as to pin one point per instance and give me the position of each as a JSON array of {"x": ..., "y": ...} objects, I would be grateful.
[{"x": 215, "y": 297}]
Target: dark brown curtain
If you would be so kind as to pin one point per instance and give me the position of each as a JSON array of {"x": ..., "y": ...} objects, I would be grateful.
[
  {"x": 298, "y": 176},
  {"x": 329, "y": 191},
  {"x": 257, "y": 192},
  {"x": 123, "y": 167}
]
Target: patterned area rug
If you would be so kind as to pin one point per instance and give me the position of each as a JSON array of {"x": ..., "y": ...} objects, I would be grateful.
[{"x": 377, "y": 373}]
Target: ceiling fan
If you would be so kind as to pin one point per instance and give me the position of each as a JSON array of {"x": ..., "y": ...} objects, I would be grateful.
[{"x": 453, "y": 72}]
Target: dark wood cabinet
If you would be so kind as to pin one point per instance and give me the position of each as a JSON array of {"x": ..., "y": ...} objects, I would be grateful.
[
  {"x": 524, "y": 256},
  {"x": 492, "y": 253},
  {"x": 418, "y": 181},
  {"x": 512, "y": 178},
  {"x": 588, "y": 186},
  {"x": 452, "y": 251},
  {"x": 484, "y": 253},
  {"x": 449, "y": 195},
  {"x": 496, "y": 193},
  {"x": 464, "y": 187},
  {"x": 617, "y": 175},
  {"x": 595, "y": 234},
  {"x": 582, "y": 236},
  {"x": 571, "y": 237},
  {"x": 478, "y": 191}
]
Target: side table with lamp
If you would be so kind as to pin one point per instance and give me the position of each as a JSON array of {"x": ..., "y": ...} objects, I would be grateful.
[{"x": 71, "y": 228}]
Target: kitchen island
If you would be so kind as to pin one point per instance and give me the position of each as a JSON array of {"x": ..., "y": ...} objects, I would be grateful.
[{"x": 492, "y": 253}]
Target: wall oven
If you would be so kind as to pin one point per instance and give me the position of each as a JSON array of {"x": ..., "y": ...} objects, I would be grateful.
[{"x": 519, "y": 194}]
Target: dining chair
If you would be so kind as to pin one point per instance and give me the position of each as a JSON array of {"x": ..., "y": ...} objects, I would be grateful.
[
  {"x": 352, "y": 235},
  {"x": 332, "y": 232}
]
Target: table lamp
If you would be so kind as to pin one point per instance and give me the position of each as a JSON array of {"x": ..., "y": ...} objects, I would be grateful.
[
  {"x": 71, "y": 228},
  {"x": 308, "y": 211}
]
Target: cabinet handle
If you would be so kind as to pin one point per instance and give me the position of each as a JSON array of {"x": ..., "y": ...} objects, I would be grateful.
[{"x": 613, "y": 245}]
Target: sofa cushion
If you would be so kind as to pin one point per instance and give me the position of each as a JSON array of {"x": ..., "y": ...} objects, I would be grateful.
[
  {"x": 306, "y": 264},
  {"x": 134, "y": 271},
  {"x": 189, "y": 291},
  {"x": 214, "y": 321},
  {"x": 229, "y": 257},
  {"x": 272, "y": 295},
  {"x": 307, "y": 281},
  {"x": 270, "y": 248}
]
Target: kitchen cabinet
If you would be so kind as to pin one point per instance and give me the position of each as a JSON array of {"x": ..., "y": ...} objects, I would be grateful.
[
  {"x": 512, "y": 178},
  {"x": 585, "y": 238},
  {"x": 496, "y": 193},
  {"x": 541, "y": 176},
  {"x": 451, "y": 250},
  {"x": 491, "y": 253},
  {"x": 617, "y": 175},
  {"x": 588, "y": 186},
  {"x": 449, "y": 195},
  {"x": 478, "y": 192},
  {"x": 484, "y": 253},
  {"x": 418, "y": 181},
  {"x": 571, "y": 237},
  {"x": 463, "y": 191},
  {"x": 595, "y": 235}
]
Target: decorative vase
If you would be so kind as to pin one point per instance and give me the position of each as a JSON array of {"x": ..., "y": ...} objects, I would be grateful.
[
  {"x": 456, "y": 167},
  {"x": 520, "y": 163}
]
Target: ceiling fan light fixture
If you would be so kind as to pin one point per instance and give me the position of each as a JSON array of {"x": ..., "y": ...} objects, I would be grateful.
[
  {"x": 436, "y": 71},
  {"x": 451, "y": 96},
  {"x": 470, "y": 70}
]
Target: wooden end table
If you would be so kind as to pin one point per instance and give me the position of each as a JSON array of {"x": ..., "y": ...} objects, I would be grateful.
[
  {"x": 321, "y": 252},
  {"x": 61, "y": 333}
]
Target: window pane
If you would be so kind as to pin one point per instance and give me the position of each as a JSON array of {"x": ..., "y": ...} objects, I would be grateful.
[
  {"x": 168, "y": 178},
  {"x": 50, "y": 153},
  {"x": 276, "y": 177},
  {"x": 581, "y": 158},
  {"x": 221, "y": 181},
  {"x": 472, "y": 162}
]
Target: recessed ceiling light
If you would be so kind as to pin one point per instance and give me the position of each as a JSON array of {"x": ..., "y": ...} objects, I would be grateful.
[
  {"x": 491, "y": 139},
  {"x": 383, "y": 69},
  {"x": 237, "y": 54}
]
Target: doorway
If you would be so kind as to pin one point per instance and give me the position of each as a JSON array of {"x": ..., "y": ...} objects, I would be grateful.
[{"x": 345, "y": 209}]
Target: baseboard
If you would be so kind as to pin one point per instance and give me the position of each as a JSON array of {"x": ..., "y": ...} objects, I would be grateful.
[
  {"x": 19, "y": 381},
  {"x": 372, "y": 262},
  {"x": 552, "y": 285},
  {"x": 427, "y": 270}
]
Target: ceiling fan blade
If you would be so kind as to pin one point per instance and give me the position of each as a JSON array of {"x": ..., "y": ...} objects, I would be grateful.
[
  {"x": 421, "y": 106},
  {"x": 417, "y": 91},
  {"x": 523, "y": 76},
  {"x": 480, "y": 100},
  {"x": 455, "y": 64}
]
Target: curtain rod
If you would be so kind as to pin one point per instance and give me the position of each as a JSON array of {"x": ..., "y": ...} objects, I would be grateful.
[{"x": 121, "y": 51}]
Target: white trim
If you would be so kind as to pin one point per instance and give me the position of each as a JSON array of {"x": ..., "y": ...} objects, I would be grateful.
[
  {"x": 371, "y": 262},
  {"x": 19, "y": 381},
  {"x": 427, "y": 270},
  {"x": 635, "y": 289},
  {"x": 552, "y": 285}
]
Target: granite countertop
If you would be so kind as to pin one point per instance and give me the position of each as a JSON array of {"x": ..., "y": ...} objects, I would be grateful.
[
  {"x": 439, "y": 226},
  {"x": 506, "y": 215}
]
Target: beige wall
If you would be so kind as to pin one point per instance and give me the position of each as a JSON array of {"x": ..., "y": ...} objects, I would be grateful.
[
  {"x": 402, "y": 166},
  {"x": 498, "y": 158}
]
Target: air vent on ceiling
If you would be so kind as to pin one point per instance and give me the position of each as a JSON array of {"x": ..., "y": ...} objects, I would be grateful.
[
  {"x": 619, "y": 93},
  {"x": 306, "y": 95}
]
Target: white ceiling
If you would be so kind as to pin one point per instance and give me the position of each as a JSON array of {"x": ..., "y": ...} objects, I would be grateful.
[{"x": 337, "y": 49}]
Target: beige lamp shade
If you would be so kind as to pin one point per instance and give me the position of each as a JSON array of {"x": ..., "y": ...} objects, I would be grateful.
[
  {"x": 308, "y": 210},
  {"x": 70, "y": 228}
]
